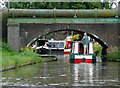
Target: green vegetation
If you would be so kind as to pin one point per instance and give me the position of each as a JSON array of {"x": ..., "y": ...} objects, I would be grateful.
[
  {"x": 75, "y": 37},
  {"x": 97, "y": 49},
  {"x": 59, "y": 5},
  {"x": 11, "y": 58},
  {"x": 114, "y": 56}
]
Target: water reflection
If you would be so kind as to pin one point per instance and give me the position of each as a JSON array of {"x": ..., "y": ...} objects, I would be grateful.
[
  {"x": 83, "y": 74},
  {"x": 63, "y": 73},
  {"x": 42, "y": 74},
  {"x": 97, "y": 74}
]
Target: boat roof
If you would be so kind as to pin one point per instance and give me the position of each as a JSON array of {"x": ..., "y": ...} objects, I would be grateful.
[
  {"x": 80, "y": 41},
  {"x": 76, "y": 41},
  {"x": 43, "y": 40},
  {"x": 56, "y": 40}
]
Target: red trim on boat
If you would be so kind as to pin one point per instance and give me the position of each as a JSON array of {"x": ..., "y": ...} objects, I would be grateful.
[
  {"x": 68, "y": 45},
  {"x": 77, "y": 61},
  {"x": 66, "y": 52}
]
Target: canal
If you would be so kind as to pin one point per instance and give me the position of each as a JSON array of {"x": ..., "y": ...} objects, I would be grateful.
[{"x": 63, "y": 73}]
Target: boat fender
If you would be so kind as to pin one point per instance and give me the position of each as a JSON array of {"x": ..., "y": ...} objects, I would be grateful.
[{"x": 83, "y": 59}]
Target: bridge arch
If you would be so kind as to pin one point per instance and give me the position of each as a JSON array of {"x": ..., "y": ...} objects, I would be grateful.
[
  {"x": 92, "y": 35},
  {"x": 103, "y": 33}
]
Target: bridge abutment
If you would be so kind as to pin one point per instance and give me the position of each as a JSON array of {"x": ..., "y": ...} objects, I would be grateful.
[{"x": 13, "y": 36}]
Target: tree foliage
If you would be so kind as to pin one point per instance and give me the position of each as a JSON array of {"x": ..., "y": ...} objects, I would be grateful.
[
  {"x": 59, "y": 5},
  {"x": 75, "y": 37},
  {"x": 97, "y": 49}
]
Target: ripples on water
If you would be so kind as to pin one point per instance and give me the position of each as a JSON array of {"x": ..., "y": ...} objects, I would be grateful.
[{"x": 63, "y": 73}]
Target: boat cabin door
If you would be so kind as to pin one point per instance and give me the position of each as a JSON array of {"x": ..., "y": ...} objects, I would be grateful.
[
  {"x": 78, "y": 48},
  {"x": 81, "y": 48}
]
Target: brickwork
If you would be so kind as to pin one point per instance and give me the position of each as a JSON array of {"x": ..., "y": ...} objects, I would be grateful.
[
  {"x": 13, "y": 36},
  {"x": 106, "y": 32}
]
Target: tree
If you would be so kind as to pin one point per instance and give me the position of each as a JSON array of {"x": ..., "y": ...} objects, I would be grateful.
[
  {"x": 59, "y": 5},
  {"x": 75, "y": 37}
]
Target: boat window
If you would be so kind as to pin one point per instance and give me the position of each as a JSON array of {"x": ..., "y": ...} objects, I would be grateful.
[
  {"x": 61, "y": 45},
  {"x": 56, "y": 44},
  {"x": 40, "y": 42}
]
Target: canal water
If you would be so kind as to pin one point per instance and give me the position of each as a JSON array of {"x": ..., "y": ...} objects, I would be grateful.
[{"x": 63, "y": 73}]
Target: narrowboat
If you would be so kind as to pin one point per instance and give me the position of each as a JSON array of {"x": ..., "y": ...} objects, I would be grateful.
[
  {"x": 67, "y": 46},
  {"x": 56, "y": 45},
  {"x": 77, "y": 53},
  {"x": 42, "y": 46}
]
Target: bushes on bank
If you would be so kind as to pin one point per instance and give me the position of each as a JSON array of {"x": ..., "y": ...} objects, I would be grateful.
[
  {"x": 114, "y": 56},
  {"x": 97, "y": 49},
  {"x": 11, "y": 58}
]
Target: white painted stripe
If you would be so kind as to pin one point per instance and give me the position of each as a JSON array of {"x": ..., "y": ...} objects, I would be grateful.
[
  {"x": 76, "y": 47},
  {"x": 91, "y": 48},
  {"x": 83, "y": 56},
  {"x": 67, "y": 50}
]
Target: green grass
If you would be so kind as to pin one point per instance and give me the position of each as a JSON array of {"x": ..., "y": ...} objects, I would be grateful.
[
  {"x": 11, "y": 58},
  {"x": 113, "y": 56}
]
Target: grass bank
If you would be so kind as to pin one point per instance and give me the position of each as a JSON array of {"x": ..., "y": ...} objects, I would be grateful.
[{"x": 12, "y": 59}]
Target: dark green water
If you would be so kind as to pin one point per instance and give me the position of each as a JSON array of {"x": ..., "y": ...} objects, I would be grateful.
[{"x": 63, "y": 73}]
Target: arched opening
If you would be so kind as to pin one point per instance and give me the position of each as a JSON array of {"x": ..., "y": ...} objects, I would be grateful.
[{"x": 92, "y": 36}]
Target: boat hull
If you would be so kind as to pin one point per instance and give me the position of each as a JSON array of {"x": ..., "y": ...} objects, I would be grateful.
[
  {"x": 43, "y": 51},
  {"x": 87, "y": 58},
  {"x": 81, "y": 61},
  {"x": 57, "y": 49},
  {"x": 67, "y": 51},
  {"x": 57, "y": 52}
]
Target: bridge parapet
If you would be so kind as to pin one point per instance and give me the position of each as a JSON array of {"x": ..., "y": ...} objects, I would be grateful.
[
  {"x": 101, "y": 22},
  {"x": 64, "y": 13},
  {"x": 60, "y": 13}
]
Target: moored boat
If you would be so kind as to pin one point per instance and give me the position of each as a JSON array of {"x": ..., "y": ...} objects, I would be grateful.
[
  {"x": 77, "y": 55},
  {"x": 42, "y": 46},
  {"x": 56, "y": 45},
  {"x": 67, "y": 46}
]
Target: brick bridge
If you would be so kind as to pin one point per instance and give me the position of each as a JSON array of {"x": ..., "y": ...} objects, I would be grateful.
[{"x": 26, "y": 26}]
